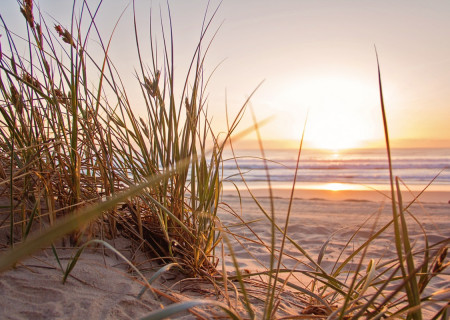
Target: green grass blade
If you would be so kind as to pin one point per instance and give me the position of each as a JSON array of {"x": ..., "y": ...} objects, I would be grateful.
[
  {"x": 57, "y": 257},
  {"x": 75, "y": 259},
  {"x": 185, "y": 306},
  {"x": 411, "y": 287},
  {"x": 397, "y": 226},
  {"x": 156, "y": 275},
  {"x": 239, "y": 277}
]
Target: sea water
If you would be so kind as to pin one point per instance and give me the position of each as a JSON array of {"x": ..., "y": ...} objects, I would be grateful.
[{"x": 350, "y": 169}]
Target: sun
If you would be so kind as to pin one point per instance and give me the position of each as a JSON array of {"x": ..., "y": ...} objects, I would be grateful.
[
  {"x": 343, "y": 112},
  {"x": 335, "y": 129},
  {"x": 333, "y": 132}
]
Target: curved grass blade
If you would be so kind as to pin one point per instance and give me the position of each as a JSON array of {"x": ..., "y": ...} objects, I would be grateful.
[
  {"x": 239, "y": 276},
  {"x": 412, "y": 287},
  {"x": 412, "y": 297},
  {"x": 75, "y": 259},
  {"x": 184, "y": 306},
  {"x": 167, "y": 267},
  {"x": 57, "y": 257}
]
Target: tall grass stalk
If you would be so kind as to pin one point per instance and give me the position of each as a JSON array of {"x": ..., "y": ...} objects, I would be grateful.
[{"x": 400, "y": 230}]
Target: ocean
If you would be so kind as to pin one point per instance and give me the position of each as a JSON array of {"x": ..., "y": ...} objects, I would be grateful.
[{"x": 355, "y": 169}]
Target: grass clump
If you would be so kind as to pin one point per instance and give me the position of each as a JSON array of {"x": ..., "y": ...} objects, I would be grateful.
[{"x": 70, "y": 137}]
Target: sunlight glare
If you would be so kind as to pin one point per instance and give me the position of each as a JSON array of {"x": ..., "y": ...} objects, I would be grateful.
[
  {"x": 342, "y": 112},
  {"x": 337, "y": 186}
]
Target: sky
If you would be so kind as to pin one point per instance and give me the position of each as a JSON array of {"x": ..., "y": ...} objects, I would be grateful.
[{"x": 316, "y": 61}]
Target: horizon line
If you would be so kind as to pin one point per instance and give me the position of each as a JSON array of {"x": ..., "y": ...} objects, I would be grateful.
[{"x": 373, "y": 144}]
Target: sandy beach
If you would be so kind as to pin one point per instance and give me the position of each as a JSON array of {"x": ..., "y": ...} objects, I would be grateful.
[
  {"x": 315, "y": 220},
  {"x": 103, "y": 287},
  {"x": 334, "y": 229}
]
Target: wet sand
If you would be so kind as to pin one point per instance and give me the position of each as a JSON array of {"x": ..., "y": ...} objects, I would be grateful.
[{"x": 435, "y": 196}]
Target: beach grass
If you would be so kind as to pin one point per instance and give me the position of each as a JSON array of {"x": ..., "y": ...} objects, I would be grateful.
[
  {"x": 66, "y": 144},
  {"x": 79, "y": 164}
]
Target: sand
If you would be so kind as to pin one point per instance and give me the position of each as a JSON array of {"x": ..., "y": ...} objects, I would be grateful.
[
  {"x": 314, "y": 221},
  {"x": 333, "y": 229},
  {"x": 102, "y": 286}
]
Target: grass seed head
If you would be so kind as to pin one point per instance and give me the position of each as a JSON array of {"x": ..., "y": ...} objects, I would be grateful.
[
  {"x": 27, "y": 11},
  {"x": 27, "y": 78},
  {"x": 152, "y": 86},
  {"x": 439, "y": 265},
  {"x": 46, "y": 66},
  {"x": 149, "y": 86},
  {"x": 16, "y": 99},
  {"x": 65, "y": 35},
  {"x": 40, "y": 36},
  {"x": 188, "y": 106}
]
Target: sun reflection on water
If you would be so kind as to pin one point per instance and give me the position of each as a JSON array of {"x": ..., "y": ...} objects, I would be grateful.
[{"x": 334, "y": 186}]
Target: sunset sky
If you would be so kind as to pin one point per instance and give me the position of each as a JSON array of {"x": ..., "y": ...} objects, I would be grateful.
[{"x": 315, "y": 56}]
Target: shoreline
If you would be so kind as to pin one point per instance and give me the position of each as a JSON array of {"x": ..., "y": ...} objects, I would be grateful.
[{"x": 441, "y": 197}]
